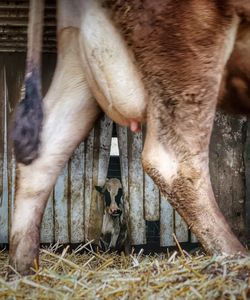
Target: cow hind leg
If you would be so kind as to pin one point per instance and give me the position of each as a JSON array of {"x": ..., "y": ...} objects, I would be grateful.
[
  {"x": 69, "y": 114},
  {"x": 175, "y": 155}
]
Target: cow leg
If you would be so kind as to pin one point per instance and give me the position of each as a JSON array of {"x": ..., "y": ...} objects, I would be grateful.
[
  {"x": 176, "y": 156},
  {"x": 69, "y": 114}
]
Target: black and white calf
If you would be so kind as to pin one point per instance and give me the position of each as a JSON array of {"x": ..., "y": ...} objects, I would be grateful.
[{"x": 114, "y": 227}]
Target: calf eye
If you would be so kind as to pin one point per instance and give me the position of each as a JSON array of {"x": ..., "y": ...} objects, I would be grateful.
[
  {"x": 119, "y": 196},
  {"x": 107, "y": 198}
]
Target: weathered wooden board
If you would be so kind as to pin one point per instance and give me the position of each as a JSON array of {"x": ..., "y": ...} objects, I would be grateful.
[
  {"x": 130, "y": 146},
  {"x": 88, "y": 180},
  {"x": 101, "y": 150},
  {"x": 47, "y": 228},
  {"x": 151, "y": 200},
  {"x": 135, "y": 183},
  {"x": 151, "y": 195},
  {"x": 4, "y": 197},
  {"x": 227, "y": 168},
  {"x": 180, "y": 228},
  {"x": 76, "y": 190},
  {"x": 247, "y": 172},
  {"x": 61, "y": 207},
  {"x": 122, "y": 134},
  {"x": 166, "y": 223}
]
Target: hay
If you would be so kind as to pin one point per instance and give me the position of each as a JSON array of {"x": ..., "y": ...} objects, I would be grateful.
[{"x": 89, "y": 275}]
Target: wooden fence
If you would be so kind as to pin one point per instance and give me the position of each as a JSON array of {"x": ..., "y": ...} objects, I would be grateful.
[{"x": 74, "y": 210}]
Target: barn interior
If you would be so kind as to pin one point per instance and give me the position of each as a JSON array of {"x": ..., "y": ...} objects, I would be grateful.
[{"x": 152, "y": 225}]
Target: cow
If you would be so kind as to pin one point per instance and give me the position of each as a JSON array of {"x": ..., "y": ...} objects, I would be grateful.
[
  {"x": 165, "y": 62},
  {"x": 114, "y": 233}
]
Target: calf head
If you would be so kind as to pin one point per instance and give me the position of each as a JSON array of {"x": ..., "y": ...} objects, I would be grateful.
[{"x": 112, "y": 192}]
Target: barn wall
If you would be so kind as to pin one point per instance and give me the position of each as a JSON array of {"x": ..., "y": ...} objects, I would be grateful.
[{"x": 74, "y": 210}]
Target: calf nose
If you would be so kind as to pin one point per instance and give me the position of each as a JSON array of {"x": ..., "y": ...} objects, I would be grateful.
[{"x": 115, "y": 211}]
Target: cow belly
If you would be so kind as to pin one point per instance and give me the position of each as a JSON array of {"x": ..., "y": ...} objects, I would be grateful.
[{"x": 109, "y": 65}]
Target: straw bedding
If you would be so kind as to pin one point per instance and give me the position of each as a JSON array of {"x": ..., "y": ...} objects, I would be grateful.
[{"x": 78, "y": 274}]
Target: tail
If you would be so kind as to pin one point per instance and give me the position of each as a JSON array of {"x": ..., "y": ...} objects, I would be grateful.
[{"x": 28, "y": 117}]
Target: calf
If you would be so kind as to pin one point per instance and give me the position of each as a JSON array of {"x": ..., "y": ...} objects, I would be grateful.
[
  {"x": 114, "y": 234},
  {"x": 159, "y": 61}
]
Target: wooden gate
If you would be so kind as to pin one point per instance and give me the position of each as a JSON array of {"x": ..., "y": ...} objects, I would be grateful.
[{"x": 74, "y": 210}]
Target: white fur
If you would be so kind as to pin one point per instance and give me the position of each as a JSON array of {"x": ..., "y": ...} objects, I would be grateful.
[
  {"x": 163, "y": 160},
  {"x": 112, "y": 74}
]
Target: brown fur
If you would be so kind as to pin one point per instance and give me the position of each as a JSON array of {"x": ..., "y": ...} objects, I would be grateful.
[
  {"x": 179, "y": 47},
  {"x": 235, "y": 88}
]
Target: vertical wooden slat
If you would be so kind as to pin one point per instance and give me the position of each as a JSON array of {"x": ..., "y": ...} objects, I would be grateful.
[
  {"x": 77, "y": 195},
  {"x": 47, "y": 227},
  {"x": 166, "y": 223},
  {"x": 227, "y": 168},
  {"x": 193, "y": 238},
  {"x": 4, "y": 158},
  {"x": 102, "y": 144},
  {"x": 1, "y": 132},
  {"x": 2, "y": 152},
  {"x": 137, "y": 222},
  {"x": 88, "y": 180},
  {"x": 247, "y": 172},
  {"x": 151, "y": 195},
  {"x": 181, "y": 228},
  {"x": 122, "y": 136},
  {"x": 61, "y": 207},
  {"x": 106, "y": 128},
  {"x": 12, "y": 166},
  {"x": 151, "y": 199}
]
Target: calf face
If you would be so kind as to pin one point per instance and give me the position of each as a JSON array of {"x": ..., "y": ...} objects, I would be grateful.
[
  {"x": 112, "y": 193},
  {"x": 114, "y": 229}
]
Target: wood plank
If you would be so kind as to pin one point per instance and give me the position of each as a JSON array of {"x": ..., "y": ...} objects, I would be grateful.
[
  {"x": 227, "y": 168},
  {"x": 151, "y": 195},
  {"x": 2, "y": 114},
  {"x": 247, "y": 172},
  {"x": 77, "y": 169},
  {"x": 122, "y": 136},
  {"x": 137, "y": 222},
  {"x": 61, "y": 207},
  {"x": 4, "y": 201},
  {"x": 151, "y": 199},
  {"x": 181, "y": 228},
  {"x": 12, "y": 185},
  {"x": 47, "y": 227},
  {"x": 88, "y": 183},
  {"x": 2, "y": 153},
  {"x": 102, "y": 144},
  {"x": 193, "y": 238},
  {"x": 106, "y": 128},
  {"x": 166, "y": 223}
]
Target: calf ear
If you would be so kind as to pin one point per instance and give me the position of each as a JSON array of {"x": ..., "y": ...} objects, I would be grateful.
[{"x": 99, "y": 189}]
